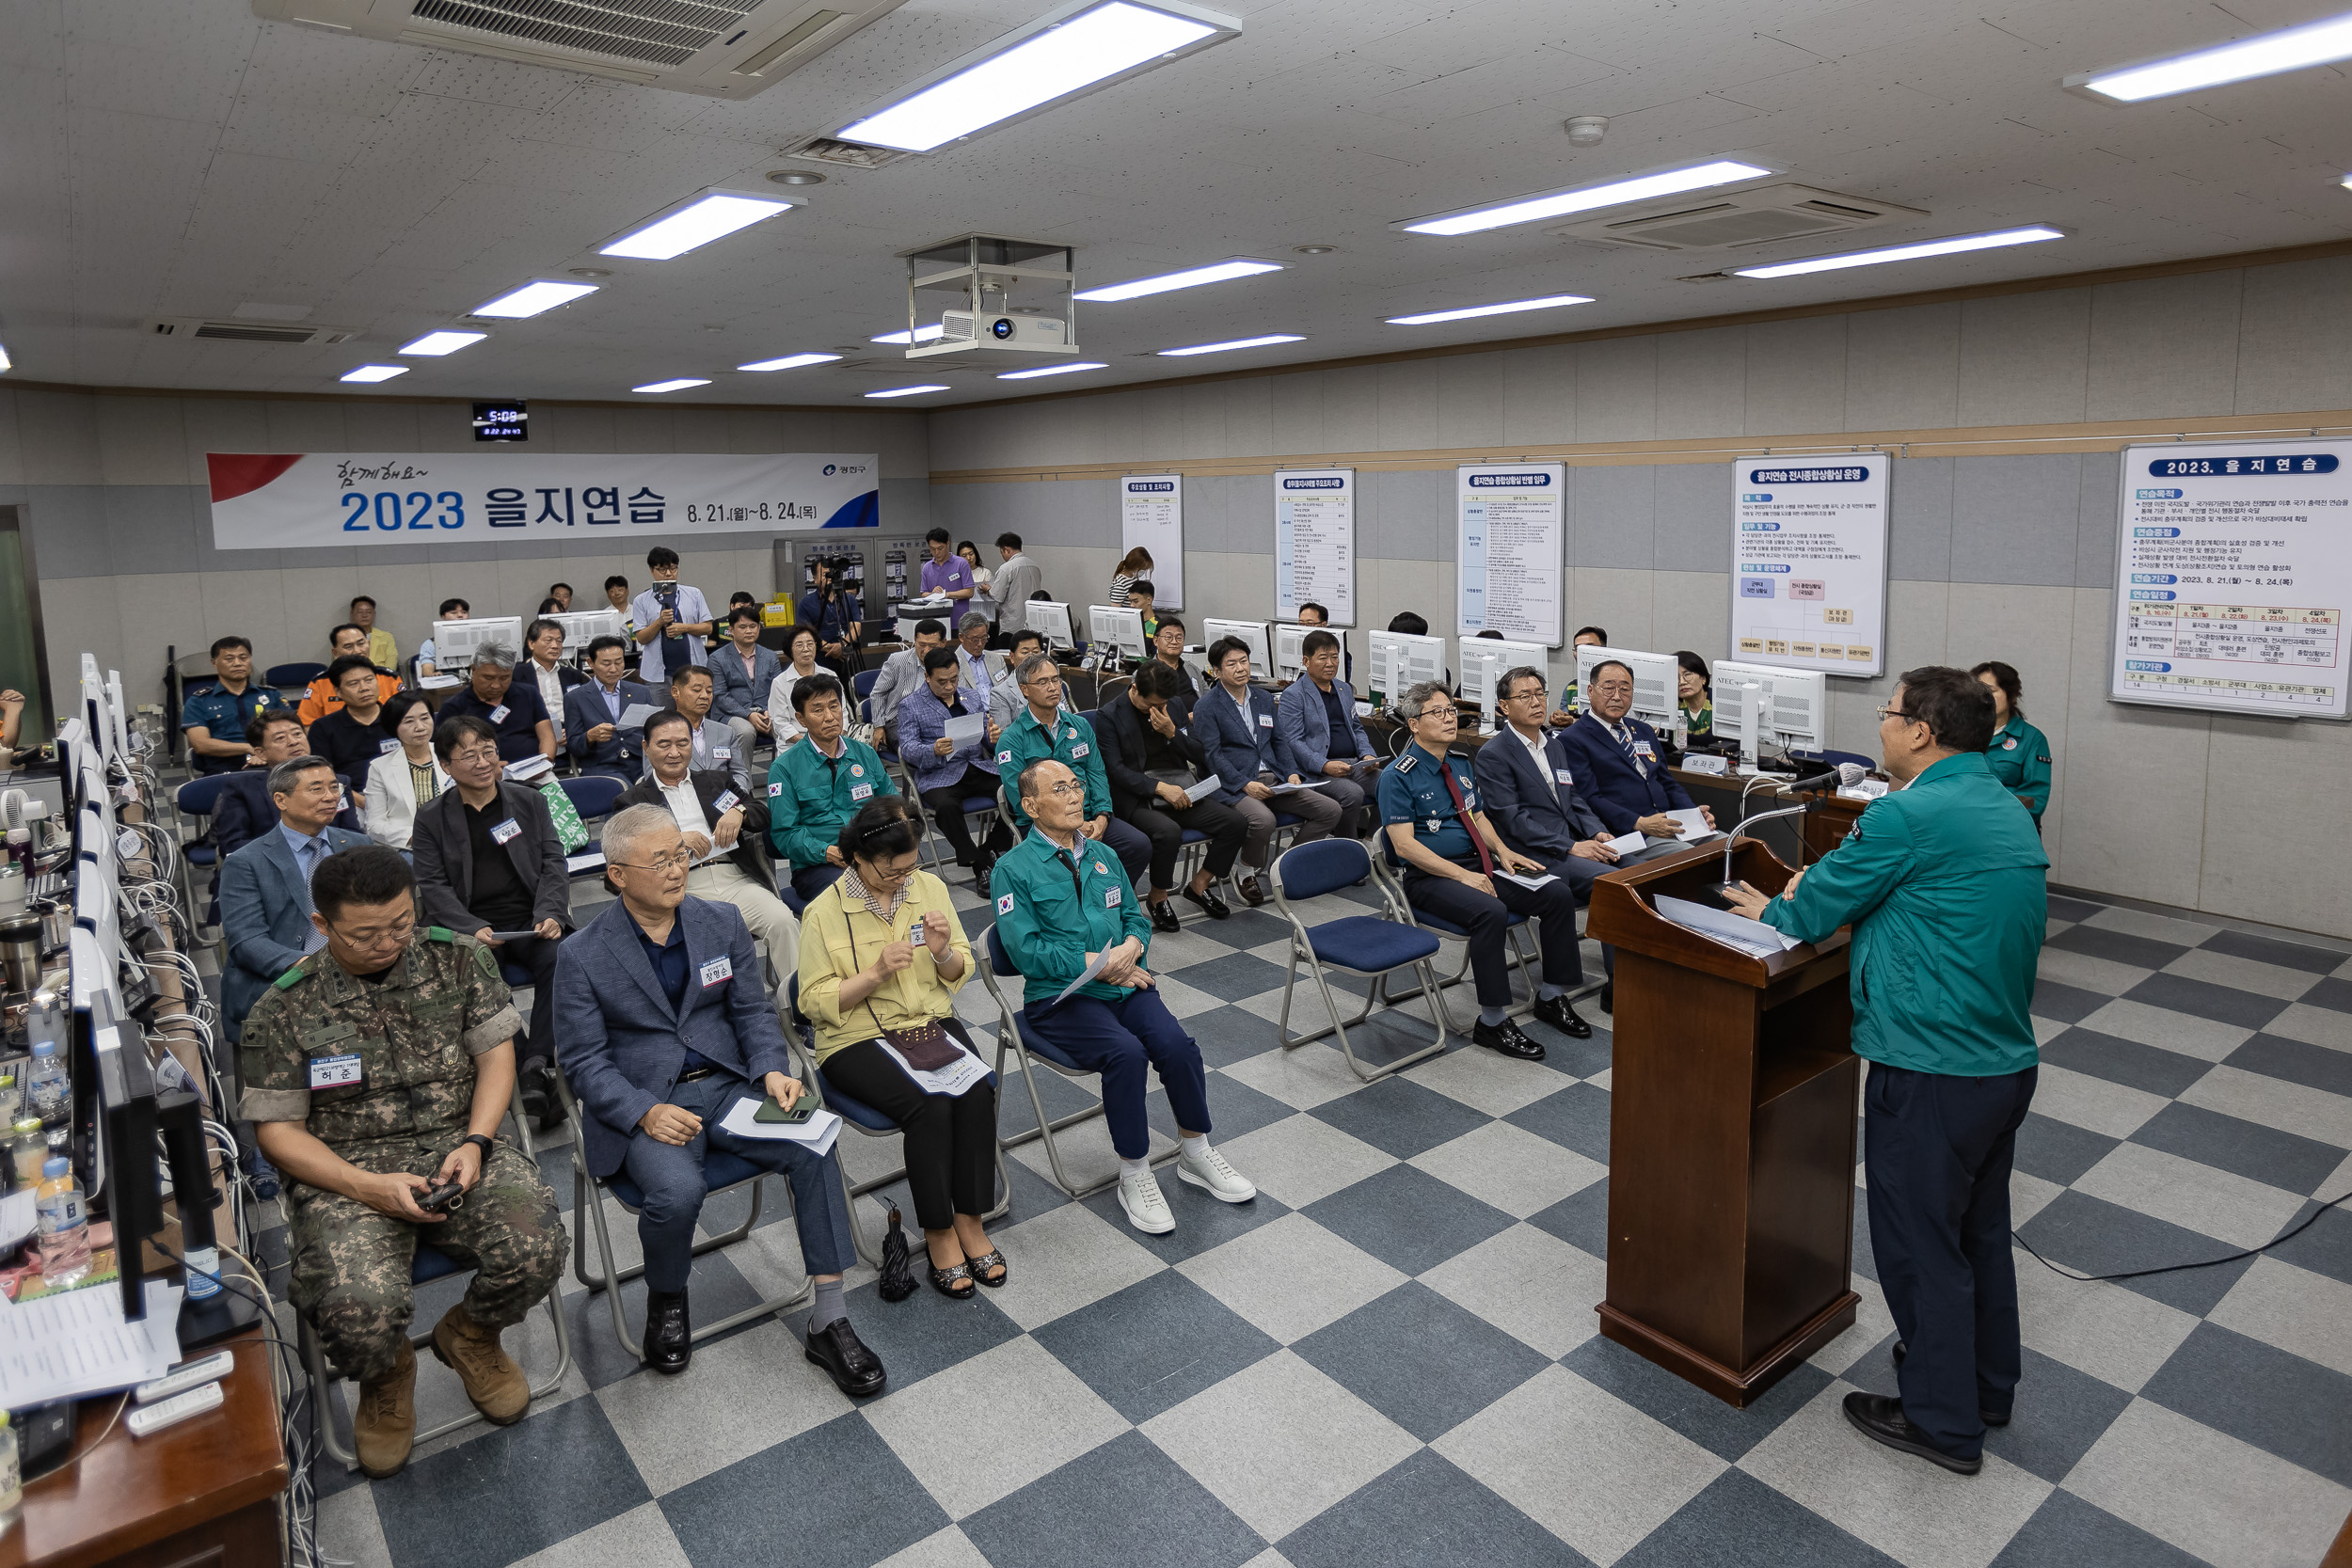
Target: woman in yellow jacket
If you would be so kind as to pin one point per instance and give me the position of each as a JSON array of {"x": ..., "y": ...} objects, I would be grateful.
[{"x": 882, "y": 955}]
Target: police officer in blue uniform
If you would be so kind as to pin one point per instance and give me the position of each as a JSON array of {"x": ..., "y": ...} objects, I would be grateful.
[
  {"x": 1450, "y": 854},
  {"x": 215, "y": 720},
  {"x": 1945, "y": 883},
  {"x": 1619, "y": 763}
]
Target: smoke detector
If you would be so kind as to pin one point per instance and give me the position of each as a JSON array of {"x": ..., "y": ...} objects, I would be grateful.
[{"x": 1587, "y": 130}]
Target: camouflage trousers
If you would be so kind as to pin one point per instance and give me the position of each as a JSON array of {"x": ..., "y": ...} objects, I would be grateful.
[{"x": 351, "y": 1263}]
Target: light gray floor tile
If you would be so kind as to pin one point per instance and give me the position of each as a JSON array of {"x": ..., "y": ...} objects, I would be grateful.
[
  {"x": 2224, "y": 969},
  {"x": 1278, "y": 1442},
  {"x": 2302, "y": 1313},
  {"x": 1872, "y": 1324},
  {"x": 1510, "y": 1168},
  {"x": 1290, "y": 1277},
  {"x": 1530, "y": 1284},
  {"x": 2313, "y": 1026},
  {"x": 1041, "y": 1416},
  {"x": 639, "y": 1539},
  {"x": 1630, "y": 1472},
  {"x": 1069, "y": 1257},
  {"x": 2274, "y": 1102},
  {"x": 743, "y": 1394},
  {"x": 1300, "y": 1158},
  {"x": 949, "y": 1548},
  {"x": 2208, "y": 1493},
  {"x": 1487, "y": 1081},
  {"x": 1915, "y": 1512},
  {"x": 2028, "y": 1195},
  {"x": 2079, "y": 1100},
  {"x": 1183, "y": 1000},
  {"x": 2048, "y": 1029},
  {"x": 2116, "y": 1335},
  {"x": 2155, "y": 928},
  {"x": 2200, "y": 1038},
  {"x": 2085, "y": 972},
  {"x": 1086, "y": 1147},
  {"x": 348, "y": 1528},
  {"x": 1301, "y": 1078},
  {"x": 2218, "y": 1203}
]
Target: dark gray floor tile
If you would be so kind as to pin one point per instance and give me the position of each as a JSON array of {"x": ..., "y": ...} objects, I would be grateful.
[
  {"x": 1233, "y": 1106},
  {"x": 1579, "y": 1219},
  {"x": 1235, "y": 976},
  {"x": 2069, "y": 1531},
  {"x": 926, "y": 1332},
  {"x": 1738, "y": 1522},
  {"x": 2056, "y": 1150},
  {"x": 1430, "y": 1515},
  {"x": 1202, "y": 1222},
  {"x": 2270, "y": 950},
  {"x": 1228, "y": 1035},
  {"x": 1420, "y": 1360},
  {"x": 2314, "y": 1067},
  {"x": 2071, "y": 908},
  {"x": 2059, "y": 1414},
  {"x": 2243, "y": 1148},
  {"x": 2324, "y": 1246},
  {"x": 2280, "y": 1403},
  {"x": 2331, "y": 992},
  {"x": 1155, "y": 1345},
  {"x": 1576, "y": 1118},
  {"x": 2117, "y": 946},
  {"x": 1407, "y": 1219},
  {"x": 2203, "y": 999},
  {"x": 1062, "y": 1097},
  {"x": 2126, "y": 1062},
  {"x": 2065, "y": 1004},
  {"x": 835, "y": 1496},
  {"x": 1703, "y": 1418},
  {"x": 2093, "y": 1236},
  {"x": 1126, "y": 1502},
  {"x": 463, "y": 1508},
  {"x": 1399, "y": 1116},
  {"x": 714, "y": 1291},
  {"x": 1577, "y": 1058},
  {"x": 1246, "y": 928}
]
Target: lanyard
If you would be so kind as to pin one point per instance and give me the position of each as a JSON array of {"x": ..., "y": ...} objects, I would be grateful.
[{"x": 1461, "y": 810}]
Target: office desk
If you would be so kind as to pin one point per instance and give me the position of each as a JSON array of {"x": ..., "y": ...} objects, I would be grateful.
[{"x": 203, "y": 1492}]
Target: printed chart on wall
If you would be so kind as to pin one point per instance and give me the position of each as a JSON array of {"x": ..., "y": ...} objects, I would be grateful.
[
  {"x": 1314, "y": 541},
  {"x": 2234, "y": 574},
  {"x": 1808, "y": 589},
  {"x": 1512, "y": 550},
  {"x": 1151, "y": 514}
]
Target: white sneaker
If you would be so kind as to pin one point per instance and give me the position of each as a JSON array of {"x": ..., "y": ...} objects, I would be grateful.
[
  {"x": 1146, "y": 1204},
  {"x": 1225, "y": 1183}
]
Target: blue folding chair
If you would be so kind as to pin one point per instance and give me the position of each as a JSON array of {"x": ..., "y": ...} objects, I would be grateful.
[
  {"x": 295, "y": 677},
  {"x": 593, "y": 795},
  {"x": 1372, "y": 946},
  {"x": 198, "y": 799},
  {"x": 1388, "y": 876}
]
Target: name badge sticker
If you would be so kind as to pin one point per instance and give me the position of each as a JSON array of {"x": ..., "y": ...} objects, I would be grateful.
[
  {"x": 336, "y": 1072},
  {"x": 505, "y": 831},
  {"x": 1642, "y": 749},
  {"x": 1561, "y": 775},
  {"x": 721, "y": 753},
  {"x": 1079, "y": 750},
  {"x": 859, "y": 792},
  {"x": 718, "y": 970},
  {"x": 727, "y": 801},
  {"x": 1265, "y": 720},
  {"x": 498, "y": 714},
  {"x": 1110, "y": 897},
  {"x": 384, "y": 746}
]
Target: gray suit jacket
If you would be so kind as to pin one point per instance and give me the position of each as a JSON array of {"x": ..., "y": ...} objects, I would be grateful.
[
  {"x": 620, "y": 1042},
  {"x": 443, "y": 850},
  {"x": 1537, "y": 813},
  {"x": 262, "y": 917}
]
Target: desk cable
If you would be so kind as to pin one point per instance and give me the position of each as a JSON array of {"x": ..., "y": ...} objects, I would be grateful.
[{"x": 2303, "y": 1224}]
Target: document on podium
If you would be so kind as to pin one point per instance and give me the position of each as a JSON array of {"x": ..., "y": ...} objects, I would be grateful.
[{"x": 1752, "y": 937}]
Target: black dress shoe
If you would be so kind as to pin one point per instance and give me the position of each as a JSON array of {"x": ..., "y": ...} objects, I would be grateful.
[
  {"x": 1881, "y": 1419},
  {"x": 536, "y": 1100},
  {"x": 1209, "y": 903},
  {"x": 854, "y": 1370},
  {"x": 980, "y": 869},
  {"x": 668, "y": 1338},
  {"x": 1987, "y": 1417},
  {"x": 1561, "y": 1014},
  {"x": 1508, "y": 1039},
  {"x": 1609, "y": 996},
  {"x": 1164, "y": 917}
]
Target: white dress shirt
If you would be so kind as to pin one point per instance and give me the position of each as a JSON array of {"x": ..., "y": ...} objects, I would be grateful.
[{"x": 551, "y": 692}]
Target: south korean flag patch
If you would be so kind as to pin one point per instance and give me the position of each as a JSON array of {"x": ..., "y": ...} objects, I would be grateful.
[
  {"x": 776, "y": 789},
  {"x": 1004, "y": 905}
]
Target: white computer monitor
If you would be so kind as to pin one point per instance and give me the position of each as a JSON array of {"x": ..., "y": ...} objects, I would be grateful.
[
  {"x": 1484, "y": 660},
  {"x": 1399, "y": 661},
  {"x": 1251, "y": 632},
  {"x": 1656, "y": 681},
  {"x": 453, "y": 642},
  {"x": 1771, "y": 704},
  {"x": 1053, "y": 621},
  {"x": 1118, "y": 627},
  {"x": 1289, "y": 663},
  {"x": 583, "y": 627}
]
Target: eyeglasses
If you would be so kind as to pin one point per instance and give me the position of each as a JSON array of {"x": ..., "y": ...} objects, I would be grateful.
[
  {"x": 881, "y": 873},
  {"x": 1886, "y": 713},
  {"x": 1062, "y": 791},
  {"x": 675, "y": 861},
  {"x": 1438, "y": 713},
  {"x": 395, "y": 935},
  {"x": 479, "y": 753}
]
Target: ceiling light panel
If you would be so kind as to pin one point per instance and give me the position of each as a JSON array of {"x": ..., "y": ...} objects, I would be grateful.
[
  {"x": 678, "y": 386},
  {"x": 920, "y": 335},
  {"x": 789, "y": 362},
  {"x": 1238, "y": 342},
  {"x": 1192, "y": 277},
  {"x": 1070, "y": 49},
  {"x": 1052, "y": 370},
  {"x": 1956, "y": 245},
  {"x": 1548, "y": 303},
  {"x": 438, "y": 343},
  {"x": 904, "y": 391},
  {"x": 712, "y": 215},
  {"x": 1586, "y": 198},
  {"x": 533, "y": 297},
  {"x": 375, "y": 373},
  {"x": 2264, "y": 55}
]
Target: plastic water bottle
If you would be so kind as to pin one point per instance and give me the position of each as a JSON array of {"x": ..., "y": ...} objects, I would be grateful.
[
  {"x": 48, "y": 1093},
  {"x": 64, "y": 1227}
]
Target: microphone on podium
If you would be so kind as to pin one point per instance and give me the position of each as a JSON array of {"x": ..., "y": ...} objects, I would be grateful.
[{"x": 1844, "y": 776}]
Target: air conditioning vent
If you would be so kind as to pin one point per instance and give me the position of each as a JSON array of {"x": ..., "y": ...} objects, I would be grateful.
[
  {"x": 845, "y": 154},
  {"x": 248, "y": 332},
  {"x": 1742, "y": 218},
  {"x": 718, "y": 48}
]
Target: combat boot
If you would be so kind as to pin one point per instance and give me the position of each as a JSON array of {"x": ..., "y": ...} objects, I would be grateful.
[
  {"x": 383, "y": 1427},
  {"x": 493, "y": 1382}
]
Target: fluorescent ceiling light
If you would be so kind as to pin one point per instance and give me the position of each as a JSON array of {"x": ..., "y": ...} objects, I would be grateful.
[
  {"x": 532, "y": 298},
  {"x": 1953, "y": 247},
  {"x": 1238, "y": 342},
  {"x": 920, "y": 335},
  {"x": 2345, "y": 182},
  {"x": 1585, "y": 198},
  {"x": 442, "y": 342},
  {"x": 699, "y": 222},
  {"x": 1053, "y": 369},
  {"x": 1549, "y": 302},
  {"x": 1065, "y": 53},
  {"x": 6, "y": 364},
  {"x": 904, "y": 391},
  {"x": 2264, "y": 55},
  {"x": 681, "y": 383},
  {"x": 789, "y": 362},
  {"x": 1192, "y": 277},
  {"x": 375, "y": 372}
]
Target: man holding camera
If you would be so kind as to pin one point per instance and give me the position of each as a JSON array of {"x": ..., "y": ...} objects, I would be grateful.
[
  {"x": 831, "y": 609},
  {"x": 672, "y": 620}
]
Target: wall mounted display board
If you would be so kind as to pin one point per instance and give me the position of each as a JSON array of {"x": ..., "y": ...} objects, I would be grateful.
[
  {"x": 1511, "y": 549},
  {"x": 1151, "y": 514},
  {"x": 2232, "y": 577},
  {"x": 1808, "y": 581},
  {"x": 1314, "y": 541}
]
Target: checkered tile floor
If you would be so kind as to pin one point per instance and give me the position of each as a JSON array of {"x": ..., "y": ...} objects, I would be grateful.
[{"x": 1391, "y": 1356}]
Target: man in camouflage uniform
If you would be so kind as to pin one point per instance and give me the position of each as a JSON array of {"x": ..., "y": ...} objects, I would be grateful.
[{"x": 376, "y": 1068}]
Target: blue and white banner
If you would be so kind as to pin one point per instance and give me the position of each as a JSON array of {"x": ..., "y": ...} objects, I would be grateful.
[
  {"x": 1151, "y": 514},
  {"x": 1808, "y": 581},
  {"x": 1512, "y": 550},
  {"x": 294, "y": 500},
  {"x": 1314, "y": 543}
]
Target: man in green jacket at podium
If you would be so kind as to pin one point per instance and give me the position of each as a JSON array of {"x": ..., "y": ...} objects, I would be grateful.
[{"x": 1945, "y": 883}]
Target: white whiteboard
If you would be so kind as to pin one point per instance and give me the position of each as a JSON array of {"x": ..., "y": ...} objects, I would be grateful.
[
  {"x": 1314, "y": 541},
  {"x": 1511, "y": 549},
  {"x": 2232, "y": 577},
  {"x": 1151, "y": 514},
  {"x": 1808, "y": 583}
]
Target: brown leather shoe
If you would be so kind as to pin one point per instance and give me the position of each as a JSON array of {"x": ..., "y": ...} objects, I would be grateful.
[
  {"x": 1252, "y": 891},
  {"x": 493, "y": 1382},
  {"x": 383, "y": 1427}
]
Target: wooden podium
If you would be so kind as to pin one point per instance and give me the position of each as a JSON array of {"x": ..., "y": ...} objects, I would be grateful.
[{"x": 1731, "y": 1135}]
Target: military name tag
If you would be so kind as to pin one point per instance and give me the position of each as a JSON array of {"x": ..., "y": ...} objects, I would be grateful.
[
  {"x": 498, "y": 714},
  {"x": 505, "y": 831},
  {"x": 335, "y": 1072},
  {"x": 718, "y": 969}
]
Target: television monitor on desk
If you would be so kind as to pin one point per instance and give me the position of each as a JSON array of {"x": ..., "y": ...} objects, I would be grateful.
[
  {"x": 1115, "y": 627},
  {"x": 581, "y": 628},
  {"x": 1655, "y": 677},
  {"x": 1289, "y": 663},
  {"x": 1399, "y": 661},
  {"x": 1052, "y": 620},
  {"x": 453, "y": 642},
  {"x": 1769, "y": 704},
  {"x": 1484, "y": 661},
  {"x": 1251, "y": 632}
]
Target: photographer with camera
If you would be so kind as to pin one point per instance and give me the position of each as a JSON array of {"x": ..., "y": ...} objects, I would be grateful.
[
  {"x": 672, "y": 620},
  {"x": 832, "y": 610}
]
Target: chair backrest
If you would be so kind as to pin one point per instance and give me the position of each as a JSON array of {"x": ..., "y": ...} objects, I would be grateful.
[
  {"x": 301, "y": 673},
  {"x": 1326, "y": 866},
  {"x": 1089, "y": 715},
  {"x": 593, "y": 795},
  {"x": 862, "y": 683},
  {"x": 997, "y": 960},
  {"x": 199, "y": 797}
]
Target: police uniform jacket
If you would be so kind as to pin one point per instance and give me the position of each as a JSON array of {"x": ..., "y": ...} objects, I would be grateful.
[
  {"x": 223, "y": 716},
  {"x": 1537, "y": 811},
  {"x": 2020, "y": 759},
  {"x": 1945, "y": 883},
  {"x": 810, "y": 795},
  {"x": 1624, "y": 780},
  {"x": 1237, "y": 739},
  {"x": 1054, "y": 907},
  {"x": 1303, "y": 741},
  {"x": 1069, "y": 740},
  {"x": 1412, "y": 790}
]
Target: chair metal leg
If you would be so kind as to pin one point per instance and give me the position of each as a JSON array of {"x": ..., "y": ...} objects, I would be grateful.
[
  {"x": 1340, "y": 1026},
  {"x": 1046, "y": 1128}
]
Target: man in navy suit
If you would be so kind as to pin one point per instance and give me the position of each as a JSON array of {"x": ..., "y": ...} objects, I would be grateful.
[
  {"x": 1619, "y": 764},
  {"x": 1529, "y": 783},
  {"x": 265, "y": 886},
  {"x": 1233, "y": 720},
  {"x": 1316, "y": 734},
  {"x": 663, "y": 1028},
  {"x": 592, "y": 715}
]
